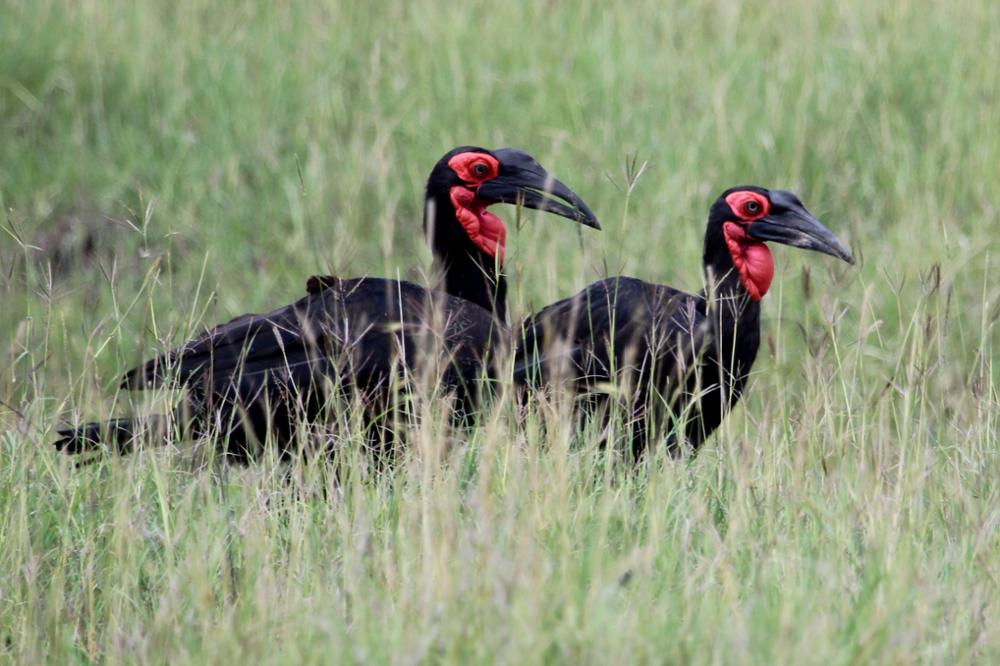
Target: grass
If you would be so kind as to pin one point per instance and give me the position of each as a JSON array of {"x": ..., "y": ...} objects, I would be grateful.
[{"x": 196, "y": 160}]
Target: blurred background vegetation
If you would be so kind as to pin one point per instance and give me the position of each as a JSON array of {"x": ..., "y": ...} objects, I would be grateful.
[{"x": 170, "y": 164}]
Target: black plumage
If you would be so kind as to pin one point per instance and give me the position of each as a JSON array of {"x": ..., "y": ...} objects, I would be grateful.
[
  {"x": 356, "y": 340},
  {"x": 676, "y": 362}
]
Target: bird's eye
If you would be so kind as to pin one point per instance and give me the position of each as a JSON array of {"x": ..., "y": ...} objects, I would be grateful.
[
  {"x": 480, "y": 169},
  {"x": 752, "y": 207}
]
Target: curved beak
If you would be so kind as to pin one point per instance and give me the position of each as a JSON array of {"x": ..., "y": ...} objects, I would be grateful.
[
  {"x": 791, "y": 224},
  {"x": 522, "y": 181}
]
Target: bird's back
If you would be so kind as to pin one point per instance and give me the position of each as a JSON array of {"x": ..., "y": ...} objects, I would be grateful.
[
  {"x": 649, "y": 346},
  {"x": 591, "y": 335},
  {"x": 360, "y": 333}
]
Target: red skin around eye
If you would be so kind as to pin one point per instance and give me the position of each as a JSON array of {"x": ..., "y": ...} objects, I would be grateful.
[
  {"x": 752, "y": 258},
  {"x": 462, "y": 165},
  {"x": 485, "y": 230},
  {"x": 738, "y": 200}
]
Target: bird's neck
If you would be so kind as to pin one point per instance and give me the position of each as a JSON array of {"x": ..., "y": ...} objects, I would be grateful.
[
  {"x": 465, "y": 270},
  {"x": 733, "y": 312},
  {"x": 473, "y": 275}
]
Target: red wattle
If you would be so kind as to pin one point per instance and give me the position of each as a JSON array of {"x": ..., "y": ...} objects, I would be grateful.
[
  {"x": 484, "y": 229},
  {"x": 752, "y": 259}
]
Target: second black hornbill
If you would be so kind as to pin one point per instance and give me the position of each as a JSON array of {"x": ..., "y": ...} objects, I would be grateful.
[
  {"x": 263, "y": 374},
  {"x": 677, "y": 362}
]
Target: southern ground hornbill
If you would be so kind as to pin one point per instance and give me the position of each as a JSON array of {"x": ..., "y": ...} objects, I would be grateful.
[
  {"x": 677, "y": 362},
  {"x": 263, "y": 374}
]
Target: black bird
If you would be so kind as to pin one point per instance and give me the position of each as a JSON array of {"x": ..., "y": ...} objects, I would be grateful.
[
  {"x": 262, "y": 374},
  {"x": 679, "y": 362}
]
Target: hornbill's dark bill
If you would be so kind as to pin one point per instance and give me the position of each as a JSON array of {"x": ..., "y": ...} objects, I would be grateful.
[
  {"x": 791, "y": 224},
  {"x": 469, "y": 241},
  {"x": 686, "y": 357},
  {"x": 264, "y": 375},
  {"x": 524, "y": 182}
]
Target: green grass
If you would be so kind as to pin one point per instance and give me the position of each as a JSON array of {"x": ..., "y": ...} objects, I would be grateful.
[{"x": 218, "y": 153}]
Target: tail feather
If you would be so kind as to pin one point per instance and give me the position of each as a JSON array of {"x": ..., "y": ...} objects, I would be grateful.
[{"x": 118, "y": 435}]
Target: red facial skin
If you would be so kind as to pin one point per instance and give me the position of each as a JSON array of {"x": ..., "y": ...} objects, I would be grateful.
[
  {"x": 485, "y": 230},
  {"x": 752, "y": 258}
]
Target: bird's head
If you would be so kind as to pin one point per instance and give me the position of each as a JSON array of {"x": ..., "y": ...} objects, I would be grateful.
[
  {"x": 468, "y": 180},
  {"x": 746, "y": 217}
]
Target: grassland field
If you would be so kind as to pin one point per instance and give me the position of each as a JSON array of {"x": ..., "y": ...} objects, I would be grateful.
[{"x": 166, "y": 165}]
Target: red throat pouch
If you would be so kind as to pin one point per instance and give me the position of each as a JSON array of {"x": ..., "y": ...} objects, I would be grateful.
[
  {"x": 485, "y": 230},
  {"x": 752, "y": 259}
]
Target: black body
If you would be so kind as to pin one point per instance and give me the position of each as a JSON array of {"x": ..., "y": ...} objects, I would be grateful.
[
  {"x": 348, "y": 341},
  {"x": 676, "y": 362}
]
